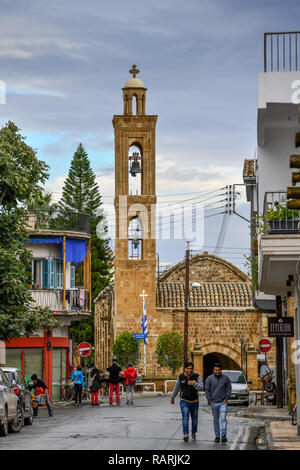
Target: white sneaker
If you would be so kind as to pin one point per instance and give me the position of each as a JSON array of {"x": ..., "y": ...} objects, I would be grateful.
[{"x": 186, "y": 437}]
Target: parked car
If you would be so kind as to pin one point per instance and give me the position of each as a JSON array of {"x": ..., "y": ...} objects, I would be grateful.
[
  {"x": 11, "y": 411},
  {"x": 18, "y": 385},
  {"x": 240, "y": 390}
]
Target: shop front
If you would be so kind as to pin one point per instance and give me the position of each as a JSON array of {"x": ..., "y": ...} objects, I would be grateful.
[{"x": 46, "y": 356}]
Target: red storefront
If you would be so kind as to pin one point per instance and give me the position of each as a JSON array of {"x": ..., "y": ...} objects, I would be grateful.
[{"x": 47, "y": 356}]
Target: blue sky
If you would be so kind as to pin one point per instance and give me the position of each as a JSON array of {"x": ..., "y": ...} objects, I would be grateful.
[{"x": 64, "y": 64}]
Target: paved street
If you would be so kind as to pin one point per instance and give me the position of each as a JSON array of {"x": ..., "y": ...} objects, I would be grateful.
[{"x": 152, "y": 423}]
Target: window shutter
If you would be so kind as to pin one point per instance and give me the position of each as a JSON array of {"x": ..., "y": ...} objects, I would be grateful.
[
  {"x": 59, "y": 265},
  {"x": 45, "y": 274},
  {"x": 72, "y": 280},
  {"x": 53, "y": 274}
]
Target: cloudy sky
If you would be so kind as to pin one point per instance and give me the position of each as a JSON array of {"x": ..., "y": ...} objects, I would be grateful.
[{"x": 64, "y": 64}]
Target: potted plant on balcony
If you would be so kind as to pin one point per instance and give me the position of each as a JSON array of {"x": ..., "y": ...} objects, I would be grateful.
[{"x": 282, "y": 219}]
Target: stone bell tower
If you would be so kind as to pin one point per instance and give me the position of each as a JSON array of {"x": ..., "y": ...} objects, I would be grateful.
[{"x": 135, "y": 202}]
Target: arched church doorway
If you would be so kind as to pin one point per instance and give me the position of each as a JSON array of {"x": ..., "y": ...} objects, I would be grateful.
[{"x": 209, "y": 360}]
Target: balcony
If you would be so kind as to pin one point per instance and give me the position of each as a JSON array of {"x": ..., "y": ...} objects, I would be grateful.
[
  {"x": 277, "y": 218},
  {"x": 58, "y": 221},
  {"x": 77, "y": 300},
  {"x": 281, "y": 52},
  {"x": 279, "y": 247}
]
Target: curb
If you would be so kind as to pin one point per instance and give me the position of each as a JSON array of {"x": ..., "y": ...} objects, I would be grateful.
[
  {"x": 269, "y": 437},
  {"x": 266, "y": 418}
]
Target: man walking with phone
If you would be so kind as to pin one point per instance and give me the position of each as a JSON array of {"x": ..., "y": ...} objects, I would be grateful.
[
  {"x": 189, "y": 384},
  {"x": 218, "y": 391}
]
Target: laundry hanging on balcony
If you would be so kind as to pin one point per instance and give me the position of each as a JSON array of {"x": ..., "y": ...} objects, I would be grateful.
[{"x": 75, "y": 250}]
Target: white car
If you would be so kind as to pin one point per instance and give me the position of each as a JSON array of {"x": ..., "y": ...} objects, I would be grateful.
[
  {"x": 16, "y": 381},
  {"x": 240, "y": 390},
  {"x": 11, "y": 412}
]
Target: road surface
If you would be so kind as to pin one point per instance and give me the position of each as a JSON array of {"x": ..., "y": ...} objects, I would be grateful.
[{"x": 151, "y": 424}]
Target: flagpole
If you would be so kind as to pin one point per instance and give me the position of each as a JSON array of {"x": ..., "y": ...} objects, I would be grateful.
[
  {"x": 144, "y": 329},
  {"x": 145, "y": 360}
]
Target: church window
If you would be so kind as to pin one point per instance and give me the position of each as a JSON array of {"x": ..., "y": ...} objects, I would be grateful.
[{"x": 135, "y": 239}]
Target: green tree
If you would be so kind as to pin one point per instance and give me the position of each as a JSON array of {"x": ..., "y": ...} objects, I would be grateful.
[
  {"x": 21, "y": 174},
  {"x": 81, "y": 194},
  {"x": 125, "y": 348},
  {"x": 170, "y": 350},
  {"x": 44, "y": 211}
]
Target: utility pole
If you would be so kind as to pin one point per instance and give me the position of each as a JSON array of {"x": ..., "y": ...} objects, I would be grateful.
[
  {"x": 279, "y": 359},
  {"x": 186, "y": 303}
]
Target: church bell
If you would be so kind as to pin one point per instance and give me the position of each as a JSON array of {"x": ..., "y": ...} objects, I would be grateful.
[{"x": 135, "y": 166}]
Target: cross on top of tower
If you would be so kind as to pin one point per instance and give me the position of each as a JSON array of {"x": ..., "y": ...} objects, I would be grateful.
[{"x": 134, "y": 71}]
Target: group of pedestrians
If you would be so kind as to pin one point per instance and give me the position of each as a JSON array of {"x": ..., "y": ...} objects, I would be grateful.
[
  {"x": 130, "y": 376},
  {"x": 188, "y": 384},
  {"x": 99, "y": 382},
  {"x": 217, "y": 391}
]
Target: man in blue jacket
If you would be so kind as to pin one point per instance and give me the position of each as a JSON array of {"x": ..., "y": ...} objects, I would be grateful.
[
  {"x": 218, "y": 391},
  {"x": 188, "y": 384}
]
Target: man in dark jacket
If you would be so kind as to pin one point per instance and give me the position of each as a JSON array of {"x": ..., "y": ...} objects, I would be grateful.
[
  {"x": 189, "y": 384},
  {"x": 114, "y": 379},
  {"x": 95, "y": 387},
  {"x": 218, "y": 391}
]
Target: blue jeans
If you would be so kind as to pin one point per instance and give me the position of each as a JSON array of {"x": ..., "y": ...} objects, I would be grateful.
[
  {"x": 219, "y": 412},
  {"x": 78, "y": 392},
  {"x": 186, "y": 410}
]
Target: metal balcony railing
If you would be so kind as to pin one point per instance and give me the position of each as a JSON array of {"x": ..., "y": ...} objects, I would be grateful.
[
  {"x": 281, "y": 52},
  {"x": 277, "y": 218},
  {"x": 58, "y": 220},
  {"x": 53, "y": 298}
]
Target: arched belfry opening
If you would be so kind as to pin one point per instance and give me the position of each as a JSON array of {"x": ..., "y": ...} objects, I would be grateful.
[
  {"x": 135, "y": 238},
  {"x": 135, "y": 170}
]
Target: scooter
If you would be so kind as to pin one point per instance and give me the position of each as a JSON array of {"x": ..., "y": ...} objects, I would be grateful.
[{"x": 267, "y": 377}]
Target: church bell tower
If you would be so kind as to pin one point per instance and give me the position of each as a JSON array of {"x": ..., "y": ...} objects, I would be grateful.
[{"x": 135, "y": 202}]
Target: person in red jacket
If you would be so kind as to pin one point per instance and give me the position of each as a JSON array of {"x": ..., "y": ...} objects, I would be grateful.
[{"x": 130, "y": 375}]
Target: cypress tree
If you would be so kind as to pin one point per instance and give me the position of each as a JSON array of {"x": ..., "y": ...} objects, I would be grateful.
[{"x": 81, "y": 194}]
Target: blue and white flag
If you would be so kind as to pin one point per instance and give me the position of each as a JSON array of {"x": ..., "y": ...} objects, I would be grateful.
[{"x": 144, "y": 323}]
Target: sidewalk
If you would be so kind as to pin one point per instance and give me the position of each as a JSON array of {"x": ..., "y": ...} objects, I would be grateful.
[
  {"x": 281, "y": 434},
  {"x": 267, "y": 412}
]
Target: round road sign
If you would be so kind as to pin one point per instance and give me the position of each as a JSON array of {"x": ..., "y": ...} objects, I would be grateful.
[
  {"x": 84, "y": 349},
  {"x": 264, "y": 345}
]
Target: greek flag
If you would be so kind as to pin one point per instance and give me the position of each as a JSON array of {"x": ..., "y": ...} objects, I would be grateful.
[{"x": 144, "y": 323}]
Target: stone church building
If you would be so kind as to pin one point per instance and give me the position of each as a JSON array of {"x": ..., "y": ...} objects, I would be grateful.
[{"x": 221, "y": 313}]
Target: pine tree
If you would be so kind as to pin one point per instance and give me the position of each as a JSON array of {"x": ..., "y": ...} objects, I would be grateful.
[{"x": 81, "y": 194}]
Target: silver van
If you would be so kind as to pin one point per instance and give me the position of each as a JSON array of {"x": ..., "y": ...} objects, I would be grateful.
[{"x": 240, "y": 390}]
